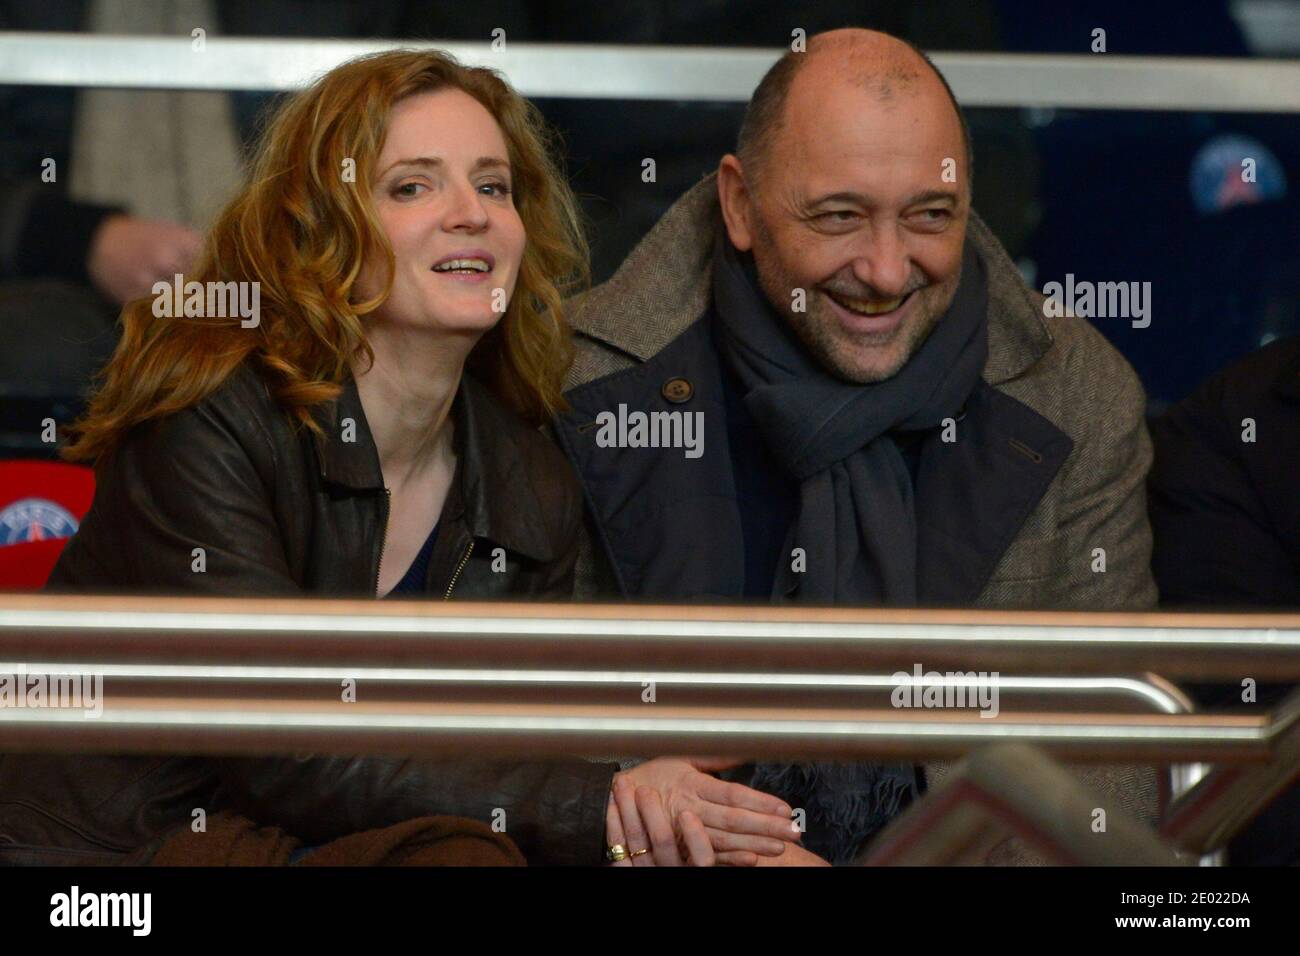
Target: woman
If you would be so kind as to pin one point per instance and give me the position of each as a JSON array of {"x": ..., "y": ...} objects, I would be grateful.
[{"x": 358, "y": 417}]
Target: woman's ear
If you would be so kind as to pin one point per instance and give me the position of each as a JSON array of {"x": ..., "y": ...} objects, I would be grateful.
[{"x": 735, "y": 199}]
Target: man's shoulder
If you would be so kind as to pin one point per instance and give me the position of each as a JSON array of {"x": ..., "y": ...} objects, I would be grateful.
[
  {"x": 1267, "y": 375},
  {"x": 660, "y": 290},
  {"x": 1081, "y": 382},
  {"x": 594, "y": 359}
]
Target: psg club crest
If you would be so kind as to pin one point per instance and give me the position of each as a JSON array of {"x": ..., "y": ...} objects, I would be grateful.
[
  {"x": 1232, "y": 171},
  {"x": 35, "y": 519}
]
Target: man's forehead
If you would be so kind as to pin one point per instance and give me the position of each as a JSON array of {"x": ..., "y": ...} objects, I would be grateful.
[{"x": 848, "y": 147}]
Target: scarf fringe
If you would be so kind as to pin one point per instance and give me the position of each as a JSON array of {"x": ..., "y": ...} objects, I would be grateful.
[{"x": 845, "y": 804}]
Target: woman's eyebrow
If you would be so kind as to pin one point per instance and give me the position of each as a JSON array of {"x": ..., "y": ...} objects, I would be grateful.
[{"x": 483, "y": 162}]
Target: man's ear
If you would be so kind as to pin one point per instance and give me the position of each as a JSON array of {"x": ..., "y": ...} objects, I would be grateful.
[{"x": 735, "y": 199}]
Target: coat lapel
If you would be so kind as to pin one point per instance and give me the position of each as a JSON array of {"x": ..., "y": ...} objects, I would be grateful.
[
  {"x": 669, "y": 524},
  {"x": 974, "y": 494}
]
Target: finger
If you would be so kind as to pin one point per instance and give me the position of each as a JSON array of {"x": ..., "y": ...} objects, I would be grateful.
[
  {"x": 699, "y": 851},
  {"x": 614, "y": 833},
  {"x": 743, "y": 797},
  {"x": 659, "y": 828},
  {"x": 710, "y": 764},
  {"x": 722, "y": 840},
  {"x": 736, "y": 858},
  {"x": 625, "y": 797},
  {"x": 746, "y": 822}
]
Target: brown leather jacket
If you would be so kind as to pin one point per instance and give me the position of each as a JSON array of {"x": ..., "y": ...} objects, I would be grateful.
[{"x": 280, "y": 511}]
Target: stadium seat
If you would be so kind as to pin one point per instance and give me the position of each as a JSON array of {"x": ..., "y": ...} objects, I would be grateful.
[{"x": 41, "y": 506}]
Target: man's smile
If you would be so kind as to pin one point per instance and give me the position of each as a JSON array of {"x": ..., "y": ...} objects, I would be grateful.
[{"x": 870, "y": 316}]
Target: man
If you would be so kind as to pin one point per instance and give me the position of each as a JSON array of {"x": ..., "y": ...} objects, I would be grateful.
[
  {"x": 1223, "y": 488},
  {"x": 1226, "y": 516},
  {"x": 881, "y": 413}
]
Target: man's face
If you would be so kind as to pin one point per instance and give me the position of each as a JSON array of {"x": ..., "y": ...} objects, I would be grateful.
[{"x": 853, "y": 208}]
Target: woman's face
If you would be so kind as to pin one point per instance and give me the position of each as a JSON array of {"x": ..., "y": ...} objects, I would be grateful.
[{"x": 443, "y": 195}]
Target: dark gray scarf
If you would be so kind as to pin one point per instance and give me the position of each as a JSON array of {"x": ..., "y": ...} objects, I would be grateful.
[{"x": 857, "y": 516}]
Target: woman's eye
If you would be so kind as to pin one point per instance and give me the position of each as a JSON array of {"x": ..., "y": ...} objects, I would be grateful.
[
  {"x": 495, "y": 189},
  {"x": 408, "y": 190}
]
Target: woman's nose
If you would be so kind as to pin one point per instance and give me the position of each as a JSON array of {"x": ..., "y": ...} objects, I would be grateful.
[{"x": 464, "y": 209}]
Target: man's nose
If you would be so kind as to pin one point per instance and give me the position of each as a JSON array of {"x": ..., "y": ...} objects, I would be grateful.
[
  {"x": 883, "y": 262},
  {"x": 464, "y": 210}
]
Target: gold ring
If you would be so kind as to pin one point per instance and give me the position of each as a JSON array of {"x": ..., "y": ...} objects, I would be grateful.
[
  {"x": 639, "y": 852},
  {"x": 616, "y": 853}
]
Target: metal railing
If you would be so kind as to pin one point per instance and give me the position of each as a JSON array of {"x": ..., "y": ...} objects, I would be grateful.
[
  {"x": 263, "y": 676},
  {"x": 311, "y": 632},
  {"x": 595, "y": 71}
]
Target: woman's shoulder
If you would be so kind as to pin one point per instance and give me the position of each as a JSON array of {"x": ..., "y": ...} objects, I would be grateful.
[
  {"x": 496, "y": 423},
  {"x": 239, "y": 414},
  {"x": 510, "y": 449}
]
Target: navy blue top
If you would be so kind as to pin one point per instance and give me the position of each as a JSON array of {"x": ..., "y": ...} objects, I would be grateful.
[{"x": 413, "y": 581}]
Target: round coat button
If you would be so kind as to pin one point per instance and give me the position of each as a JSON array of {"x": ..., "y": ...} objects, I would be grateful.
[{"x": 677, "y": 390}]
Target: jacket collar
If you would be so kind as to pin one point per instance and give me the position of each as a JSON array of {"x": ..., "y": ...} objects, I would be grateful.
[
  {"x": 670, "y": 525},
  {"x": 491, "y": 493},
  {"x": 665, "y": 285}
]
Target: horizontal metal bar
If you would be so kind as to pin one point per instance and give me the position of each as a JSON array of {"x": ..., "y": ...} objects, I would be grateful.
[
  {"x": 439, "y": 728},
  {"x": 1137, "y": 694},
  {"x": 634, "y": 72},
  {"x": 642, "y": 638},
  {"x": 175, "y": 662}
]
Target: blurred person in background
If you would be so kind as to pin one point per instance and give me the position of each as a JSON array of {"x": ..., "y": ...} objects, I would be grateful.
[{"x": 1225, "y": 511}]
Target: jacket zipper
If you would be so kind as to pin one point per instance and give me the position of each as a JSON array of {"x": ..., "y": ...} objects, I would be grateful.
[
  {"x": 459, "y": 568},
  {"x": 383, "y": 538}
]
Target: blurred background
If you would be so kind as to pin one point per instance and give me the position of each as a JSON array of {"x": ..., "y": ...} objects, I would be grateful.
[{"x": 1103, "y": 194}]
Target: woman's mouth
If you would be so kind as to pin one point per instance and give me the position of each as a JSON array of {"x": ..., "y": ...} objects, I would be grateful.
[{"x": 466, "y": 265}]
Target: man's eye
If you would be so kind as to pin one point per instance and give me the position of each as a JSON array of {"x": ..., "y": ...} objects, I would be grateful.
[
  {"x": 934, "y": 215},
  {"x": 838, "y": 215}
]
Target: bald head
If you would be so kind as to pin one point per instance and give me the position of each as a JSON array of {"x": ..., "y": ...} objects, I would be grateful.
[
  {"x": 891, "y": 71},
  {"x": 852, "y": 192}
]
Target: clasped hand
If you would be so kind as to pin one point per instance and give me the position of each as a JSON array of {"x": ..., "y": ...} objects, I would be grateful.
[{"x": 672, "y": 811}]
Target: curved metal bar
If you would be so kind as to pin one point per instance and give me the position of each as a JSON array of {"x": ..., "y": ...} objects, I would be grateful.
[{"x": 1137, "y": 694}]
